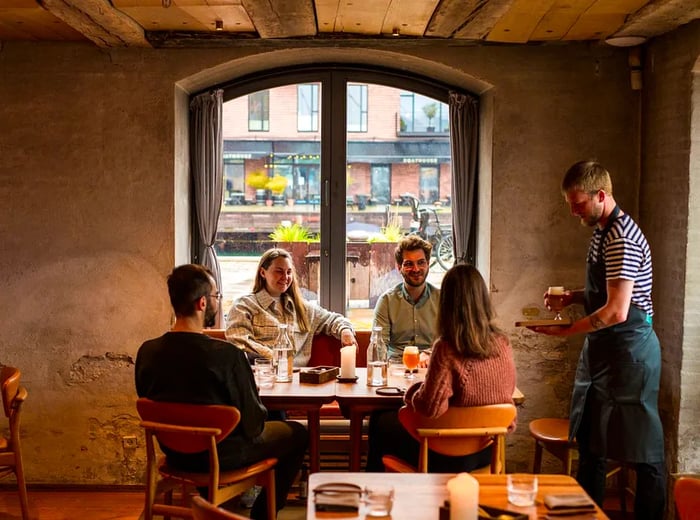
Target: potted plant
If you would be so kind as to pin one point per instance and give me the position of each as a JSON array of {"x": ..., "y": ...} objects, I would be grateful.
[
  {"x": 277, "y": 184},
  {"x": 258, "y": 180},
  {"x": 430, "y": 111}
]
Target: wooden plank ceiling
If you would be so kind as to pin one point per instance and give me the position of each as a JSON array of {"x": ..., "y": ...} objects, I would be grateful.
[{"x": 125, "y": 23}]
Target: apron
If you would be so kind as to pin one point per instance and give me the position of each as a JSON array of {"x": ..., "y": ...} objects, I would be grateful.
[{"x": 617, "y": 379}]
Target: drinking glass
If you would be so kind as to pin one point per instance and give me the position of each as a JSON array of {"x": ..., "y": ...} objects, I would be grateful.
[
  {"x": 522, "y": 489},
  {"x": 379, "y": 499},
  {"x": 264, "y": 373},
  {"x": 410, "y": 359},
  {"x": 555, "y": 299}
]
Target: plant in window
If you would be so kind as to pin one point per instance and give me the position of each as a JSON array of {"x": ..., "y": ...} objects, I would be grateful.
[
  {"x": 430, "y": 111},
  {"x": 277, "y": 184},
  {"x": 288, "y": 232},
  {"x": 389, "y": 233},
  {"x": 257, "y": 180}
]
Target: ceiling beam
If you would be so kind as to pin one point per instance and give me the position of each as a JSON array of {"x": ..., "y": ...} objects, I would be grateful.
[
  {"x": 483, "y": 19},
  {"x": 450, "y": 15},
  {"x": 282, "y": 18},
  {"x": 659, "y": 17},
  {"x": 98, "y": 21}
]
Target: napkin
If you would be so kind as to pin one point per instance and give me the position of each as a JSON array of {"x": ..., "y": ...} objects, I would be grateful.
[
  {"x": 568, "y": 504},
  {"x": 338, "y": 497}
]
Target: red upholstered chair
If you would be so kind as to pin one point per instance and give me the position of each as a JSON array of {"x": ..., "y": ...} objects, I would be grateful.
[
  {"x": 686, "y": 493},
  {"x": 13, "y": 395}
]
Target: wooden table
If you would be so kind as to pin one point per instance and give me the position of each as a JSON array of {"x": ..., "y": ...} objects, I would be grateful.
[
  {"x": 418, "y": 496},
  {"x": 305, "y": 397}
]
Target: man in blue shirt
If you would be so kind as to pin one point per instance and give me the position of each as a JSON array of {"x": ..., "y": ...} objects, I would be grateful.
[{"x": 407, "y": 312}]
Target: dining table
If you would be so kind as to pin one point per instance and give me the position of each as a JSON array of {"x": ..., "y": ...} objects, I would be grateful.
[
  {"x": 306, "y": 397},
  {"x": 418, "y": 496}
]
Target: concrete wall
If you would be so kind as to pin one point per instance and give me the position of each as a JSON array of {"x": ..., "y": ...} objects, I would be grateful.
[
  {"x": 93, "y": 213},
  {"x": 669, "y": 202}
]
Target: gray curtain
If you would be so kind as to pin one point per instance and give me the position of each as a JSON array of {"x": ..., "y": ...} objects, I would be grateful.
[
  {"x": 464, "y": 135},
  {"x": 206, "y": 166}
]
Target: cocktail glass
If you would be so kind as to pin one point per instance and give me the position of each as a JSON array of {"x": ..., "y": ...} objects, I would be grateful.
[{"x": 410, "y": 359}]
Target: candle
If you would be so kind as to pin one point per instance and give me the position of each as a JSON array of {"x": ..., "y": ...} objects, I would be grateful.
[
  {"x": 347, "y": 362},
  {"x": 464, "y": 497}
]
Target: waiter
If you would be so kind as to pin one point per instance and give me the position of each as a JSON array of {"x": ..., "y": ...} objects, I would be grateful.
[{"x": 614, "y": 411}]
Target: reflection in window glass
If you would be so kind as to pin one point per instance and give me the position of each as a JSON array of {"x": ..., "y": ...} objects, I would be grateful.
[
  {"x": 259, "y": 111},
  {"x": 357, "y": 108},
  {"x": 307, "y": 108}
]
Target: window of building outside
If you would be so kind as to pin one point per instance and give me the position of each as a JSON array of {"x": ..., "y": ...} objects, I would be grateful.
[
  {"x": 332, "y": 191},
  {"x": 259, "y": 111},
  {"x": 307, "y": 108},
  {"x": 357, "y": 108},
  {"x": 421, "y": 114}
]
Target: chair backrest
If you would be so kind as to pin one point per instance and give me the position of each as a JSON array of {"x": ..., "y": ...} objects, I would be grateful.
[
  {"x": 686, "y": 493},
  {"x": 187, "y": 428},
  {"x": 203, "y": 510},
  {"x": 460, "y": 431},
  {"x": 9, "y": 382}
]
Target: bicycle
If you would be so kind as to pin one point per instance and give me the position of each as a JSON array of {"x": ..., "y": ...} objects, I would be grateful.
[{"x": 439, "y": 235}]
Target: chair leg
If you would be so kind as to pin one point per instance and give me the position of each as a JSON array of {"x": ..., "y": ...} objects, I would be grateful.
[
  {"x": 537, "y": 462},
  {"x": 271, "y": 497},
  {"x": 22, "y": 487},
  {"x": 568, "y": 464}
]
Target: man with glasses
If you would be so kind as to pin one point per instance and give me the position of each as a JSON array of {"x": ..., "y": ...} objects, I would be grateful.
[
  {"x": 407, "y": 312},
  {"x": 186, "y": 366}
]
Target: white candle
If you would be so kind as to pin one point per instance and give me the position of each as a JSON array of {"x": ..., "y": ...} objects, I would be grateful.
[
  {"x": 347, "y": 362},
  {"x": 464, "y": 497}
]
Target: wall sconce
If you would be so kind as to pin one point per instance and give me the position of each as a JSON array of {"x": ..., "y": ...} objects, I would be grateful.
[
  {"x": 219, "y": 25},
  {"x": 626, "y": 41},
  {"x": 634, "y": 61},
  {"x": 166, "y": 3},
  {"x": 395, "y": 32}
]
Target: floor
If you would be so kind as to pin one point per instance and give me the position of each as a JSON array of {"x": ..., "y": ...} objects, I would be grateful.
[{"x": 127, "y": 505}]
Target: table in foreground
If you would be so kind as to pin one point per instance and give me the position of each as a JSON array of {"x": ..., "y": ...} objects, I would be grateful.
[
  {"x": 306, "y": 397},
  {"x": 418, "y": 496}
]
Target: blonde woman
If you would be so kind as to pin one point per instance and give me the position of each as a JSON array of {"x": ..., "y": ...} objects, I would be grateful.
[{"x": 276, "y": 298}]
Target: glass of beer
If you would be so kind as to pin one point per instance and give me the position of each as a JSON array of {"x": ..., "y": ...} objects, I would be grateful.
[
  {"x": 410, "y": 359},
  {"x": 555, "y": 299}
]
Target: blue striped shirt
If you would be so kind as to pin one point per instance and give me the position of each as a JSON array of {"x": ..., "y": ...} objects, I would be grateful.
[{"x": 627, "y": 256}]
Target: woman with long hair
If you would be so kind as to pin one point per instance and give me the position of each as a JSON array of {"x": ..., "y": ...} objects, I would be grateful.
[
  {"x": 276, "y": 299},
  {"x": 471, "y": 365}
]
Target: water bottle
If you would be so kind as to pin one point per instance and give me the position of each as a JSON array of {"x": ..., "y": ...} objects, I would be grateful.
[
  {"x": 284, "y": 355},
  {"x": 376, "y": 359}
]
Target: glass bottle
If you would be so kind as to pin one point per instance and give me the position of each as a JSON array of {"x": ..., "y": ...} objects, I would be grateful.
[
  {"x": 283, "y": 355},
  {"x": 376, "y": 359}
]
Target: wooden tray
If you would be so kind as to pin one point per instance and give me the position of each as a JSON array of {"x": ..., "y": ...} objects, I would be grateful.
[{"x": 543, "y": 323}]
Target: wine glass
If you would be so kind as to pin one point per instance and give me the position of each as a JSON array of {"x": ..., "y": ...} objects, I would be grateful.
[
  {"x": 410, "y": 359},
  {"x": 555, "y": 300}
]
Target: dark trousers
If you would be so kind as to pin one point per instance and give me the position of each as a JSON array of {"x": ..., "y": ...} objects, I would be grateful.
[
  {"x": 387, "y": 436},
  {"x": 650, "y": 495}
]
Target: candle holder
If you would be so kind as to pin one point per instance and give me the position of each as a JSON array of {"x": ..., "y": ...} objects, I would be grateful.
[{"x": 485, "y": 513}]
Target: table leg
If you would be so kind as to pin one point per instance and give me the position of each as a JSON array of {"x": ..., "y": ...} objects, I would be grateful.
[
  {"x": 356, "y": 418},
  {"x": 313, "y": 418}
]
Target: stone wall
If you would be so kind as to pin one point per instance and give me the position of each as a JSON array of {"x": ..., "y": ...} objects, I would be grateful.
[{"x": 93, "y": 214}]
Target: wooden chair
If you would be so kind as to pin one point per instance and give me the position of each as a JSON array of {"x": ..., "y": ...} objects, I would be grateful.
[
  {"x": 13, "y": 395},
  {"x": 192, "y": 428},
  {"x": 459, "y": 431},
  {"x": 552, "y": 435},
  {"x": 686, "y": 493},
  {"x": 203, "y": 510}
]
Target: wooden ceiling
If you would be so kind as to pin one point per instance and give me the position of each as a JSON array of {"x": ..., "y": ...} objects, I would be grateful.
[{"x": 161, "y": 23}]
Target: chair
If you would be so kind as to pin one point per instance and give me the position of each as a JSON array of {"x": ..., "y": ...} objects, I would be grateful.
[
  {"x": 203, "y": 510},
  {"x": 459, "y": 431},
  {"x": 552, "y": 435},
  {"x": 686, "y": 493},
  {"x": 13, "y": 395},
  {"x": 193, "y": 428}
]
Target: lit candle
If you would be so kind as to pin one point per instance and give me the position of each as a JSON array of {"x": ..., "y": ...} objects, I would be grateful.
[
  {"x": 347, "y": 362},
  {"x": 464, "y": 497}
]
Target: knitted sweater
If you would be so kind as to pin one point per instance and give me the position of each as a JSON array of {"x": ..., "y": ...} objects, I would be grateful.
[{"x": 453, "y": 380}]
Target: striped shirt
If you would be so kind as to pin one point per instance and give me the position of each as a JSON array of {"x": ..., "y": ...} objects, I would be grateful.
[{"x": 627, "y": 256}]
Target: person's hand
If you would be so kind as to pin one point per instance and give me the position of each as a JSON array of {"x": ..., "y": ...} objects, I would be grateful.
[
  {"x": 347, "y": 338},
  {"x": 423, "y": 359}
]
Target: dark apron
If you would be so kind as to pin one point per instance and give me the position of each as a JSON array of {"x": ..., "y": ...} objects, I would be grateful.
[{"x": 617, "y": 379}]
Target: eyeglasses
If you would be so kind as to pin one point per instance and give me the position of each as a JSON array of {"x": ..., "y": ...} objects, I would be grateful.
[
  {"x": 216, "y": 295},
  {"x": 421, "y": 264}
]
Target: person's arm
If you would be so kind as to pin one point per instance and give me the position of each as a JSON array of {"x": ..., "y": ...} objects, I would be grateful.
[
  {"x": 432, "y": 397},
  {"x": 331, "y": 324},
  {"x": 381, "y": 318},
  {"x": 614, "y": 311},
  {"x": 240, "y": 330},
  {"x": 244, "y": 395}
]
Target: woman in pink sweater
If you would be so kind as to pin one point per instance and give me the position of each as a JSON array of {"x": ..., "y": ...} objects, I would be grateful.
[{"x": 471, "y": 365}]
